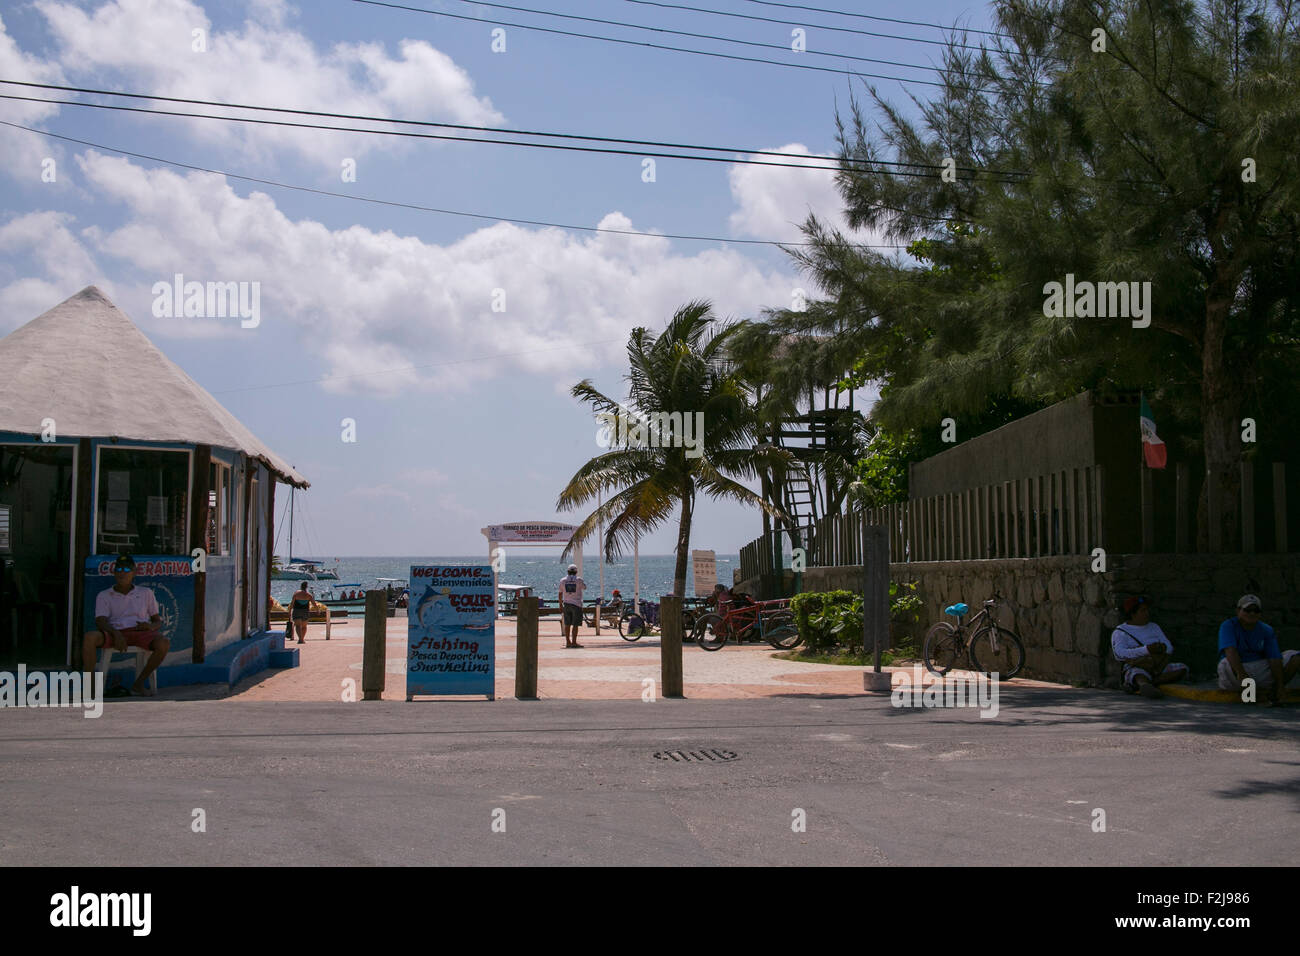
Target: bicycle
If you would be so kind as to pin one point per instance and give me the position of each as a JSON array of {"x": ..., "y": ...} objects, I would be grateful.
[
  {"x": 773, "y": 620},
  {"x": 633, "y": 626},
  {"x": 611, "y": 615},
  {"x": 988, "y": 647}
]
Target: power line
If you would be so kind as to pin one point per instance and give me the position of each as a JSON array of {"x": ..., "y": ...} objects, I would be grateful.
[
  {"x": 818, "y": 26},
  {"x": 461, "y": 126},
  {"x": 420, "y": 208},
  {"x": 700, "y": 36},
  {"x": 656, "y": 46},
  {"x": 868, "y": 16}
]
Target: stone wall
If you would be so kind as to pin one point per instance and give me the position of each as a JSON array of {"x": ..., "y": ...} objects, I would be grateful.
[{"x": 1065, "y": 612}]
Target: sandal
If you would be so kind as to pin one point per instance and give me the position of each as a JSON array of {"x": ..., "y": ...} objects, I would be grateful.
[{"x": 1150, "y": 691}]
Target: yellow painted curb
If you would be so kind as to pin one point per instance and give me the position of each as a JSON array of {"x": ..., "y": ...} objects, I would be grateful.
[{"x": 1214, "y": 695}]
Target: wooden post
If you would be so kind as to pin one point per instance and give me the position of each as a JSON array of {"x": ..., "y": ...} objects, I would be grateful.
[
  {"x": 1099, "y": 508},
  {"x": 1182, "y": 495},
  {"x": 374, "y": 650},
  {"x": 1072, "y": 486},
  {"x": 526, "y": 649},
  {"x": 1148, "y": 512},
  {"x": 1086, "y": 510},
  {"x": 1215, "y": 513},
  {"x": 270, "y": 542},
  {"x": 82, "y": 542},
  {"x": 670, "y": 645},
  {"x": 245, "y": 544},
  {"x": 1247, "y": 507},
  {"x": 199, "y": 489},
  {"x": 1013, "y": 507},
  {"x": 1279, "y": 507},
  {"x": 1026, "y": 484},
  {"x": 875, "y": 593},
  {"x": 1000, "y": 519},
  {"x": 1005, "y": 500}
]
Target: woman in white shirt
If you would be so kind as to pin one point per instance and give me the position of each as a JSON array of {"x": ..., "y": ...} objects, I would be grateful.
[{"x": 1144, "y": 650}]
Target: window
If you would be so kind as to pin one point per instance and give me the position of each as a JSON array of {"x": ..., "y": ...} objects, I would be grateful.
[
  {"x": 141, "y": 500},
  {"x": 221, "y": 509}
]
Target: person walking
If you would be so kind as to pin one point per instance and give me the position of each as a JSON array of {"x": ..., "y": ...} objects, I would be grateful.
[
  {"x": 300, "y": 610},
  {"x": 571, "y": 588}
]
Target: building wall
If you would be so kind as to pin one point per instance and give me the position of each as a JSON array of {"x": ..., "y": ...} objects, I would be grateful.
[
  {"x": 1065, "y": 612},
  {"x": 1080, "y": 432}
]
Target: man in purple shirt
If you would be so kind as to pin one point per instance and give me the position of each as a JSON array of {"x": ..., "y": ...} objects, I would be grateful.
[{"x": 1248, "y": 651}]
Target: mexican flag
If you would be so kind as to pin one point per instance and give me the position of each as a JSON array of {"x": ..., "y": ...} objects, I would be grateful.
[{"x": 1153, "y": 449}]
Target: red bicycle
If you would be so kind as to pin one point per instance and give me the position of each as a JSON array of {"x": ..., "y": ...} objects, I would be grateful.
[{"x": 771, "y": 621}]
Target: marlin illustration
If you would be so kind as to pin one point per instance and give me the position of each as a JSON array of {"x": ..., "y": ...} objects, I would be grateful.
[{"x": 427, "y": 598}]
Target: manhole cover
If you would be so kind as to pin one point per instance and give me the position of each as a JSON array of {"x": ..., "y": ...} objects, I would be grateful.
[{"x": 696, "y": 756}]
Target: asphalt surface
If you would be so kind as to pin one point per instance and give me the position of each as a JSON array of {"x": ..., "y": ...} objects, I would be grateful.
[{"x": 578, "y": 782}]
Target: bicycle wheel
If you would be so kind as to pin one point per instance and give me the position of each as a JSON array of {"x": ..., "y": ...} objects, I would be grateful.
[
  {"x": 780, "y": 631},
  {"x": 996, "y": 650},
  {"x": 710, "y": 632},
  {"x": 688, "y": 625},
  {"x": 632, "y": 626},
  {"x": 942, "y": 648}
]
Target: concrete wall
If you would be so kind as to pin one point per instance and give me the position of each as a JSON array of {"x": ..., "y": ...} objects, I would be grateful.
[
  {"x": 1065, "y": 612},
  {"x": 1080, "y": 432}
]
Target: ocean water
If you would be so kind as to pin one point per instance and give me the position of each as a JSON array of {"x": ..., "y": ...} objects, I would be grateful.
[{"x": 542, "y": 572}]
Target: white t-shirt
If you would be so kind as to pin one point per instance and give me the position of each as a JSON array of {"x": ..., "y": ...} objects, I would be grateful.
[
  {"x": 1134, "y": 644},
  {"x": 571, "y": 589},
  {"x": 126, "y": 610}
]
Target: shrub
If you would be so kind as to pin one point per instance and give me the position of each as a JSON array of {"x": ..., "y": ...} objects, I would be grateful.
[{"x": 828, "y": 618}]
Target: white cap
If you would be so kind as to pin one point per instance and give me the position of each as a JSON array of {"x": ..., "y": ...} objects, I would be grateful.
[{"x": 1247, "y": 600}]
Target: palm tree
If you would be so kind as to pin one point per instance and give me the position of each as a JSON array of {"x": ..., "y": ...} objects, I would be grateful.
[{"x": 673, "y": 378}]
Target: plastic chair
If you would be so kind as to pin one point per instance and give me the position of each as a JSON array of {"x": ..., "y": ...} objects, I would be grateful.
[{"x": 141, "y": 658}]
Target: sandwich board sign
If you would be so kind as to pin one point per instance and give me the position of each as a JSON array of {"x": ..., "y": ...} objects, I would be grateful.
[
  {"x": 451, "y": 631},
  {"x": 705, "y": 568}
]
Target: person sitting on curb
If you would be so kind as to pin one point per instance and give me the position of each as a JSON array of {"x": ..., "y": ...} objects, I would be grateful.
[
  {"x": 126, "y": 615},
  {"x": 1144, "y": 650},
  {"x": 1248, "y": 650}
]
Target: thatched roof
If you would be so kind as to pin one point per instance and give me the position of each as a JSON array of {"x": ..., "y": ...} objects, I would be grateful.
[{"x": 86, "y": 365}]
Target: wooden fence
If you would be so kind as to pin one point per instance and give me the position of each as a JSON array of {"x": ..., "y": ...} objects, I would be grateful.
[{"x": 1055, "y": 514}]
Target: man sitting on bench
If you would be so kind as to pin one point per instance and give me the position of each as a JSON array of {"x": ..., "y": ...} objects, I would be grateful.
[{"x": 126, "y": 615}]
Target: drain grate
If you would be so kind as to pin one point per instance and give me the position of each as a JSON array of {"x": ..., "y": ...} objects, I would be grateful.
[{"x": 696, "y": 756}]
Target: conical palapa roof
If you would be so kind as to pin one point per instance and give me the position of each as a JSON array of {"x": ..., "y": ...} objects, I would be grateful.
[{"x": 87, "y": 366}]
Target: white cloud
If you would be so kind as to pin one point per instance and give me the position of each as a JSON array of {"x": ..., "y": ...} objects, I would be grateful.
[
  {"x": 772, "y": 201},
  {"x": 372, "y": 304},
  {"x": 23, "y": 151},
  {"x": 147, "y": 45}
]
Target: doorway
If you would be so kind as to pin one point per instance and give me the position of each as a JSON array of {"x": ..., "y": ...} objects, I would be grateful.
[{"x": 35, "y": 553}]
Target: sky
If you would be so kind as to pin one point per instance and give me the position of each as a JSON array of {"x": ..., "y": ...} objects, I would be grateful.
[{"x": 451, "y": 342}]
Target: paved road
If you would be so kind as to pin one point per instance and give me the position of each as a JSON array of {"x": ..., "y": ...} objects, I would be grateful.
[{"x": 578, "y": 782}]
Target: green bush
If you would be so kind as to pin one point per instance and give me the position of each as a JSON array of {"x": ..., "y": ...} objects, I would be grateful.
[
  {"x": 830, "y": 618},
  {"x": 808, "y": 609}
]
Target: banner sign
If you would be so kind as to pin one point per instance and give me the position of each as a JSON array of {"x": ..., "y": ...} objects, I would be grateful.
[
  {"x": 169, "y": 577},
  {"x": 451, "y": 631},
  {"x": 705, "y": 567},
  {"x": 537, "y": 532}
]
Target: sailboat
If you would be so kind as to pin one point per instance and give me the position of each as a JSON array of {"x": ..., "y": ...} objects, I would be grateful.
[{"x": 300, "y": 569}]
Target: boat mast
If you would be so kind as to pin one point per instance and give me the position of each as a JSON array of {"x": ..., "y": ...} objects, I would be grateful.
[{"x": 292, "y": 489}]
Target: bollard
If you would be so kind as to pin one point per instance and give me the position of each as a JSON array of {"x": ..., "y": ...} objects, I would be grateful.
[
  {"x": 670, "y": 646},
  {"x": 526, "y": 649},
  {"x": 374, "y": 651}
]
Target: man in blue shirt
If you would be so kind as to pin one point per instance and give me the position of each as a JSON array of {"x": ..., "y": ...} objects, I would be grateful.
[{"x": 1248, "y": 649}]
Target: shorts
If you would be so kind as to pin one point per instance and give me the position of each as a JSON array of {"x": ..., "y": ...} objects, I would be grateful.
[
  {"x": 1259, "y": 670},
  {"x": 134, "y": 638},
  {"x": 572, "y": 615}
]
